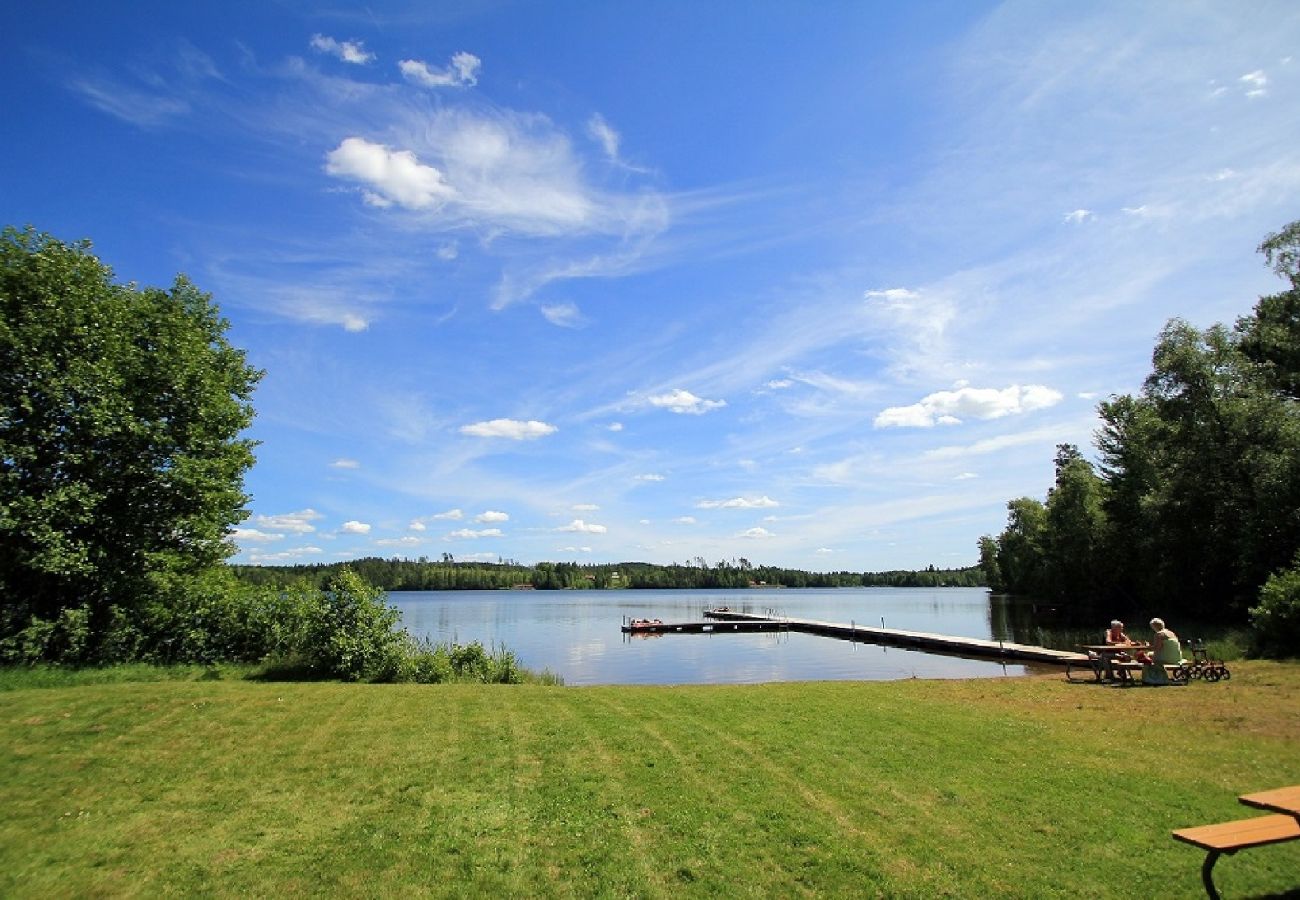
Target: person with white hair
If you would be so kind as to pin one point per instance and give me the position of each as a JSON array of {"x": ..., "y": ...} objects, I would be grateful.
[
  {"x": 1165, "y": 651},
  {"x": 1115, "y": 634}
]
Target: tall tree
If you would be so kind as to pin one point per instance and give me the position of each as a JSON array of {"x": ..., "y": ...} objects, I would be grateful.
[
  {"x": 121, "y": 409},
  {"x": 1075, "y": 528}
]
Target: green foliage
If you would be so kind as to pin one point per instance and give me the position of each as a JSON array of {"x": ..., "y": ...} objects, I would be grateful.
[
  {"x": 351, "y": 632},
  {"x": 1276, "y": 620},
  {"x": 120, "y": 457},
  {"x": 427, "y": 663}
]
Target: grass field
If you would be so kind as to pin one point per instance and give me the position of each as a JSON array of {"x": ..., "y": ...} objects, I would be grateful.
[{"x": 1029, "y": 787}]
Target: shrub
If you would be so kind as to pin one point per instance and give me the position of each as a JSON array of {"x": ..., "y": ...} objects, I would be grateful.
[
  {"x": 1276, "y": 620},
  {"x": 352, "y": 634}
]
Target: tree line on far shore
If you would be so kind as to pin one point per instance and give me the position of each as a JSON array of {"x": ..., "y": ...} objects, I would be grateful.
[
  {"x": 446, "y": 574},
  {"x": 1193, "y": 509}
]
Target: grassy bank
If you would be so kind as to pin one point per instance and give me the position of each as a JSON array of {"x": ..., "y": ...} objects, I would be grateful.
[{"x": 1010, "y": 787}]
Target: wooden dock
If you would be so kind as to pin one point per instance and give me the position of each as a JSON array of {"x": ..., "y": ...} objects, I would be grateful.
[
  {"x": 919, "y": 640},
  {"x": 759, "y": 624}
]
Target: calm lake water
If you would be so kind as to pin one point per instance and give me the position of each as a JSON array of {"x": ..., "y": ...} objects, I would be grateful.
[{"x": 576, "y": 635}]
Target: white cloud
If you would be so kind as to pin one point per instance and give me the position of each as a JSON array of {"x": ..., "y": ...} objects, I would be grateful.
[
  {"x": 763, "y": 502},
  {"x": 469, "y": 533},
  {"x": 461, "y": 72},
  {"x": 397, "y": 175},
  {"x": 600, "y": 131},
  {"x": 417, "y": 525},
  {"x": 1078, "y": 216},
  {"x": 685, "y": 520},
  {"x": 344, "y": 463},
  {"x": 447, "y": 251},
  {"x": 572, "y": 549},
  {"x": 513, "y": 429},
  {"x": 297, "y": 522},
  {"x": 454, "y": 514},
  {"x": 408, "y": 541},
  {"x": 348, "y": 51},
  {"x": 615, "y": 426},
  {"x": 502, "y": 172},
  {"x": 254, "y": 536},
  {"x": 949, "y": 407},
  {"x": 649, "y": 476},
  {"x": 584, "y": 507},
  {"x": 756, "y": 533},
  {"x": 779, "y": 384},
  {"x": 581, "y": 527},
  {"x": 565, "y": 315},
  {"x": 965, "y": 476},
  {"x": 285, "y": 555},
  {"x": 1256, "y": 83},
  {"x": 355, "y": 527},
  {"x": 823, "y": 551},
  {"x": 492, "y": 515},
  {"x": 892, "y": 295},
  {"x": 684, "y": 402}
]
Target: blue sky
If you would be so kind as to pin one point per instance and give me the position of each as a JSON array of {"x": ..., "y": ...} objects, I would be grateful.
[{"x": 813, "y": 284}]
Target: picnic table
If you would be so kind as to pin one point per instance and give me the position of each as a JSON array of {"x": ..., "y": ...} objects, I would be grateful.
[
  {"x": 1259, "y": 831},
  {"x": 1107, "y": 654}
]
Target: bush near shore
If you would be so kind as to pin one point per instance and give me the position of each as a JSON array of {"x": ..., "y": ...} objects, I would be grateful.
[{"x": 1017, "y": 787}]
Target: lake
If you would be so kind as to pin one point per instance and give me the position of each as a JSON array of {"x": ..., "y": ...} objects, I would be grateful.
[{"x": 576, "y": 635}]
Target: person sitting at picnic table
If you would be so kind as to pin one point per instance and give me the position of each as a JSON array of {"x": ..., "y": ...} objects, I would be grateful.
[
  {"x": 1115, "y": 635},
  {"x": 1165, "y": 651}
]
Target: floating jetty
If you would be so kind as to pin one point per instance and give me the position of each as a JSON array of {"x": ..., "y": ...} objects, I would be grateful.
[
  {"x": 760, "y": 624},
  {"x": 895, "y": 637}
]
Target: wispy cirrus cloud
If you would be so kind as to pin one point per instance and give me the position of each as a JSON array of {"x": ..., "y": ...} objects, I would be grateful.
[{"x": 565, "y": 315}]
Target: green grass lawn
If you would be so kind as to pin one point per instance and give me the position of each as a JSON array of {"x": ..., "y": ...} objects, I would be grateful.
[{"x": 1028, "y": 787}]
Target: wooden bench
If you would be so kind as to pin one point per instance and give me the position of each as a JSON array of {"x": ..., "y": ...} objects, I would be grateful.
[
  {"x": 1126, "y": 670},
  {"x": 1229, "y": 837}
]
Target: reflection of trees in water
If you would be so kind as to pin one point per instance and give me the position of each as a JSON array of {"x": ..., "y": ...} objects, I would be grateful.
[{"x": 1025, "y": 620}]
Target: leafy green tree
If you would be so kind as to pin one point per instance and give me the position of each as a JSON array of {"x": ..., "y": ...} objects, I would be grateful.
[
  {"x": 1021, "y": 558},
  {"x": 121, "y": 462},
  {"x": 1075, "y": 528},
  {"x": 988, "y": 546}
]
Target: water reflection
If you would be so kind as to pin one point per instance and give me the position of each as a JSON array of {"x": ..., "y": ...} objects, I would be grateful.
[{"x": 576, "y": 633}]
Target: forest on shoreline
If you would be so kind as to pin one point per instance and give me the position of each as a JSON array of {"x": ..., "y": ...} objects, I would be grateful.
[{"x": 447, "y": 574}]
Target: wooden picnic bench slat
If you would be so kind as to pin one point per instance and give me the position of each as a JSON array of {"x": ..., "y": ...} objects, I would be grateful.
[{"x": 1227, "y": 837}]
